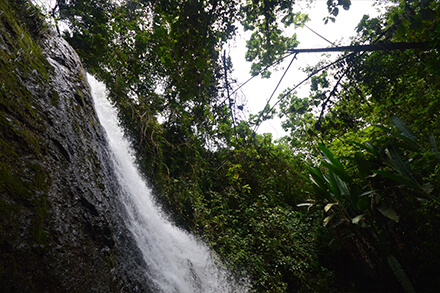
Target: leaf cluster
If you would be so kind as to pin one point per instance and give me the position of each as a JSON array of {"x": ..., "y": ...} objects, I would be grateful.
[{"x": 374, "y": 195}]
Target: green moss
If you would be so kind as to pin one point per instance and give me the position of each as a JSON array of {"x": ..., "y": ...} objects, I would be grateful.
[
  {"x": 38, "y": 232},
  {"x": 54, "y": 98},
  {"x": 17, "y": 139},
  {"x": 12, "y": 184},
  {"x": 6, "y": 209},
  {"x": 33, "y": 191},
  {"x": 79, "y": 96},
  {"x": 21, "y": 58},
  {"x": 23, "y": 182},
  {"x": 7, "y": 150},
  {"x": 40, "y": 180},
  {"x": 21, "y": 63}
]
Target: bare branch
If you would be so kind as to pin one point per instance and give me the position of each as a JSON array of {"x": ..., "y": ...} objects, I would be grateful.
[{"x": 370, "y": 47}]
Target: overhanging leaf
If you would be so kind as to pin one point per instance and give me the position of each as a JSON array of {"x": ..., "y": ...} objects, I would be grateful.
[
  {"x": 329, "y": 206},
  {"x": 400, "y": 274},
  {"x": 339, "y": 171},
  {"x": 319, "y": 183},
  {"x": 328, "y": 219},
  {"x": 355, "y": 192},
  {"x": 306, "y": 179},
  {"x": 333, "y": 186},
  {"x": 362, "y": 164},
  {"x": 329, "y": 156},
  {"x": 342, "y": 186},
  {"x": 317, "y": 178},
  {"x": 368, "y": 192},
  {"x": 408, "y": 146},
  {"x": 368, "y": 146},
  {"x": 403, "y": 128},
  {"x": 389, "y": 213},
  {"x": 428, "y": 187},
  {"x": 411, "y": 144},
  {"x": 356, "y": 219},
  {"x": 398, "y": 178},
  {"x": 434, "y": 147},
  {"x": 363, "y": 203},
  {"x": 398, "y": 160}
]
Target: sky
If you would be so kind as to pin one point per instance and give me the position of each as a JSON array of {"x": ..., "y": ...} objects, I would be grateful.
[{"x": 257, "y": 91}]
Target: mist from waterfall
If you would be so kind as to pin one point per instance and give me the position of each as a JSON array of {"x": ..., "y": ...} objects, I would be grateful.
[{"x": 176, "y": 260}]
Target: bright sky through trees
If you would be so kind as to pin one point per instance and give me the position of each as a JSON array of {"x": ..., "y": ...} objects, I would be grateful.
[{"x": 257, "y": 92}]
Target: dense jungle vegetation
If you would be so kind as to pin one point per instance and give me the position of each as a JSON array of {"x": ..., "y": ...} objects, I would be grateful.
[{"x": 348, "y": 201}]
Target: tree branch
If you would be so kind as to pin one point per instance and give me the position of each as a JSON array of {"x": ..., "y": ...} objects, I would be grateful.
[{"x": 370, "y": 47}]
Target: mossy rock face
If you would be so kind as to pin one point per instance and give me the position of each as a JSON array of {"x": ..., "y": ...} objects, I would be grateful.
[{"x": 59, "y": 212}]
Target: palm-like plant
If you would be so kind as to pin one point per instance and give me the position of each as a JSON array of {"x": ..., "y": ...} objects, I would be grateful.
[{"x": 365, "y": 196}]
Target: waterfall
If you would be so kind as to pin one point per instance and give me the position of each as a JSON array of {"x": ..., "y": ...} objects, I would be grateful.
[{"x": 177, "y": 261}]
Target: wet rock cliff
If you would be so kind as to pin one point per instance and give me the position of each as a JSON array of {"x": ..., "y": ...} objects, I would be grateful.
[{"x": 61, "y": 225}]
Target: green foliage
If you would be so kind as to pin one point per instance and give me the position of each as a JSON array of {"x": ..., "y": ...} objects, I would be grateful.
[
  {"x": 372, "y": 197},
  {"x": 377, "y": 187},
  {"x": 243, "y": 201}
]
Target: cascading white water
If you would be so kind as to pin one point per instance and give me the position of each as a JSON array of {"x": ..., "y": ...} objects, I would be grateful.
[{"x": 177, "y": 262}]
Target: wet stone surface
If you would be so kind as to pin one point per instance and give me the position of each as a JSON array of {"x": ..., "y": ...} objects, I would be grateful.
[{"x": 62, "y": 225}]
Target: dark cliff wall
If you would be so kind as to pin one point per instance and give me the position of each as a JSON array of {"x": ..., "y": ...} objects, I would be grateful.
[{"x": 61, "y": 227}]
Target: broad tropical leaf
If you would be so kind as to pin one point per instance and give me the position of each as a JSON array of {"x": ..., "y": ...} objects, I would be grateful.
[
  {"x": 329, "y": 206},
  {"x": 328, "y": 219},
  {"x": 403, "y": 128},
  {"x": 362, "y": 164},
  {"x": 333, "y": 185},
  {"x": 410, "y": 143},
  {"x": 317, "y": 178},
  {"x": 329, "y": 156},
  {"x": 400, "y": 274},
  {"x": 363, "y": 203},
  {"x": 398, "y": 160},
  {"x": 434, "y": 147},
  {"x": 339, "y": 171},
  {"x": 389, "y": 213},
  {"x": 333, "y": 163},
  {"x": 357, "y": 219},
  {"x": 342, "y": 186},
  {"x": 398, "y": 178}
]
